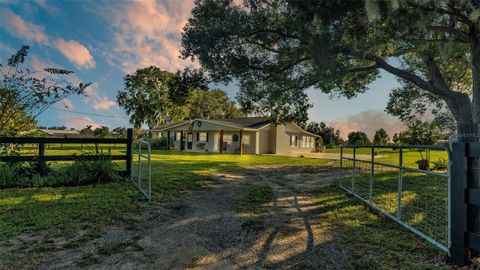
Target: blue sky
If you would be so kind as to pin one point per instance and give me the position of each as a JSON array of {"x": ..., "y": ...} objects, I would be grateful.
[{"x": 104, "y": 40}]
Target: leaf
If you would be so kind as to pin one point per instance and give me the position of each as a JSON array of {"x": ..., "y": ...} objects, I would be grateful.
[
  {"x": 58, "y": 71},
  {"x": 19, "y": 56}
]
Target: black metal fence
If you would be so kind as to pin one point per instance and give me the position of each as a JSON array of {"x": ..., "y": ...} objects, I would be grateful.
[{"x": 42, "y": 158}]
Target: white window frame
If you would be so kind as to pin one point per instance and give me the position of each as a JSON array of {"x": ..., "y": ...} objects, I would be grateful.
[{"x": 204, "y": 139}]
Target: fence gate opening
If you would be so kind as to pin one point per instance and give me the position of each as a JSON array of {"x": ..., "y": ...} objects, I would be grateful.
[
  {"x": 142, "y": 169},
  {"x": 398, "y": 181}
]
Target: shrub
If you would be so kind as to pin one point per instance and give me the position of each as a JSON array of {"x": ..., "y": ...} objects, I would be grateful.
[
  {"x": 8, "y": 174},
  {"x": 81, "y": 172},
  {"x": 440, "y": 165}
]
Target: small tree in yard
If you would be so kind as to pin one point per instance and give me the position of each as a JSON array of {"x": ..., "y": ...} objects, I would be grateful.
[
  {"x": 329, "y": 135},
  {"x": 25, "y": 93},
  {"x": 381, "y": 137},
  {"x": 358, "y": 138}
]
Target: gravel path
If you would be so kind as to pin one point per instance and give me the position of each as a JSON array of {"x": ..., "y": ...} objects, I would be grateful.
[{"x": 205, "y": 230}]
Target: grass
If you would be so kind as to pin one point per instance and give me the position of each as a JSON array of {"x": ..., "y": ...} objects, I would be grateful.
[
  {"x": 424, "y": 203},
  {"x": 62, "y": 209},
  {"x": 374, "y": 241},
  {"x": 257, "y": 197},
  {"x": 391, "y": 156}
]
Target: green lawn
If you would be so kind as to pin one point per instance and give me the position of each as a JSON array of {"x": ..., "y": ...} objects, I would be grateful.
[
  {"x": 391, "y": 156},
  {"x": 63, "y": 209}
]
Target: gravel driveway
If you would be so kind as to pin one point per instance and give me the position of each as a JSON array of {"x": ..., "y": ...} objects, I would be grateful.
[{"x": 206, "y": 231}]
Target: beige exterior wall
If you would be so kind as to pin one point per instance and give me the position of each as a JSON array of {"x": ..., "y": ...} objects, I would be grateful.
[{"x": 282, "y": 140}]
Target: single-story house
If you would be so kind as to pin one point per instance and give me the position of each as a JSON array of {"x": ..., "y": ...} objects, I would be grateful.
[{"x": 248, "y": 135}]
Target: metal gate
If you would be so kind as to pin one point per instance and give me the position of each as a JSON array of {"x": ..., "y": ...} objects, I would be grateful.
[
  {"x": 142, "y": 171},
  {"x": 409, "y": 193}
]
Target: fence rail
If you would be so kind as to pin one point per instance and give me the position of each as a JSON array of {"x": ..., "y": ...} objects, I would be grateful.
[
  {"x": 416, "y": 198},
  {"x": 41, "y": 158}
]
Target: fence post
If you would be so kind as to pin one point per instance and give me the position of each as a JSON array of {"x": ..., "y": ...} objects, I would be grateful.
[
  {"x": 372, "y": 175},
  {"x": 129, "y": 151},
  {"x": 354, "y": 168},
  {"x": 41, "y": 159},
  {"x": 471, "y": 133},
  {"x": 400, "y": 184},
  {"x": 457, "y": 207},
  {"x": 341, "y": 166}
]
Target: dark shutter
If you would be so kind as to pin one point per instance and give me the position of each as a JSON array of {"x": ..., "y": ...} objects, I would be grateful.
[
  {"x": 198, "y": 136},
  {"x": 175, "y": 136},
  {"x": 207, "y": 136}
]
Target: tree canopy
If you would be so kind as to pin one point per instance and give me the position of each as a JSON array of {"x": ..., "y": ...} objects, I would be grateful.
[
  {"x": 156, "y": 97},
  {"x": 26, "y": 93},
  {"x": 211, "y": 104},
  {"x": 420, "y": 133},
  {"x": 329, "y": 135},
  {"x": 358, "y": 138},
  {"x": 381, "y": 137},
  {"x": 277, "y": 49}
]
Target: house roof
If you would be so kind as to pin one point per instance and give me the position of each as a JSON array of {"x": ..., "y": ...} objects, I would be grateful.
[
  {"x": 243, "y": 122},
  {"x": 246, "y": 122},
  {"x": 59, "y": 132}
]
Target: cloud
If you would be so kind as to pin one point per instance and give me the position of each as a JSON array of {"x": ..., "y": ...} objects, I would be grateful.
[
  {"x": 66, "y": 103},
  {"x": 51, "y": 9},
  {"x": 20, "y": 28},
  {"x": 80, "y": 122},
  {"x": 104, "y": 104},
  {"x": 76, "y": 53},
  {"x": 368, "y": 122},
  {"x": 148, "y": 33}
]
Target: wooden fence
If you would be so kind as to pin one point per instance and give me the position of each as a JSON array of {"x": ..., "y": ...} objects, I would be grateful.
[{"x": 41, "y": 158}]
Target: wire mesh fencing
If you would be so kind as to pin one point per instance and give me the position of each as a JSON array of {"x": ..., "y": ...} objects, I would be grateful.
[
  {"x": 409, "y": 184},
  {"x": 142, "y": 169}
]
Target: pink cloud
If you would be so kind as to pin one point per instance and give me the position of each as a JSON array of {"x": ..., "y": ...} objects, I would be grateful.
[
  {"x": 81, "y": 122},
  {"x": 20, "y": 28},
  {"x": 104, "y": 104},
  {"x": 368, "y": 122},
  {"x": 66, "y": 103},
  {"x": 148, "y": 33},
  {"x": 76, "y": 53}
]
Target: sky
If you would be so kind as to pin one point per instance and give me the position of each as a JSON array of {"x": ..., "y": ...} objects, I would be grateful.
[{"x": 102, "y": 41}]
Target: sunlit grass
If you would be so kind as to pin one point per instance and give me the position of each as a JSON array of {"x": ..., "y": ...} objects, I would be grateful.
[{"x": 173, "y": 174}]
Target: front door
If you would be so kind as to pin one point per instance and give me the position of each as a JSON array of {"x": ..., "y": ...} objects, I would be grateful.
[{"x": 190, "y": 141}]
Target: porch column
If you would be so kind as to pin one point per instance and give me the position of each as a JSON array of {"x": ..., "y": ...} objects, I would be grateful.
[
  {"x": 257, "y": 142},
  {"x": 168, "y": 140},
  {"x": 240, "y": 142},
  {"x": 221, "y": 141},
  {"x": 182, "y": 146}
]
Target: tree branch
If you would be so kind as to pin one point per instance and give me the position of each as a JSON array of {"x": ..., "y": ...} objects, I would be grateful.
[{"x": 458, "y": 34}]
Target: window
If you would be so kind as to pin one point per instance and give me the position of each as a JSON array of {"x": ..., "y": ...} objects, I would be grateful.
[
  {"x": 246, "y": 139},
  {"x": 202, "y": 137},
  {"x": 176, "y": 136},
  {"x": 190, "y": 137},
  {"x": 227, "y": 139},
  {"x": 293, "y": 140}
]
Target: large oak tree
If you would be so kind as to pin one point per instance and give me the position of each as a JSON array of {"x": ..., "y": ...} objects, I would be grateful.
[{"x": 275, "y": 49}]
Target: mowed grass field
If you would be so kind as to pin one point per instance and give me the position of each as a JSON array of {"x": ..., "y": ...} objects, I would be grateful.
[{"x": 62, "y": 209}]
